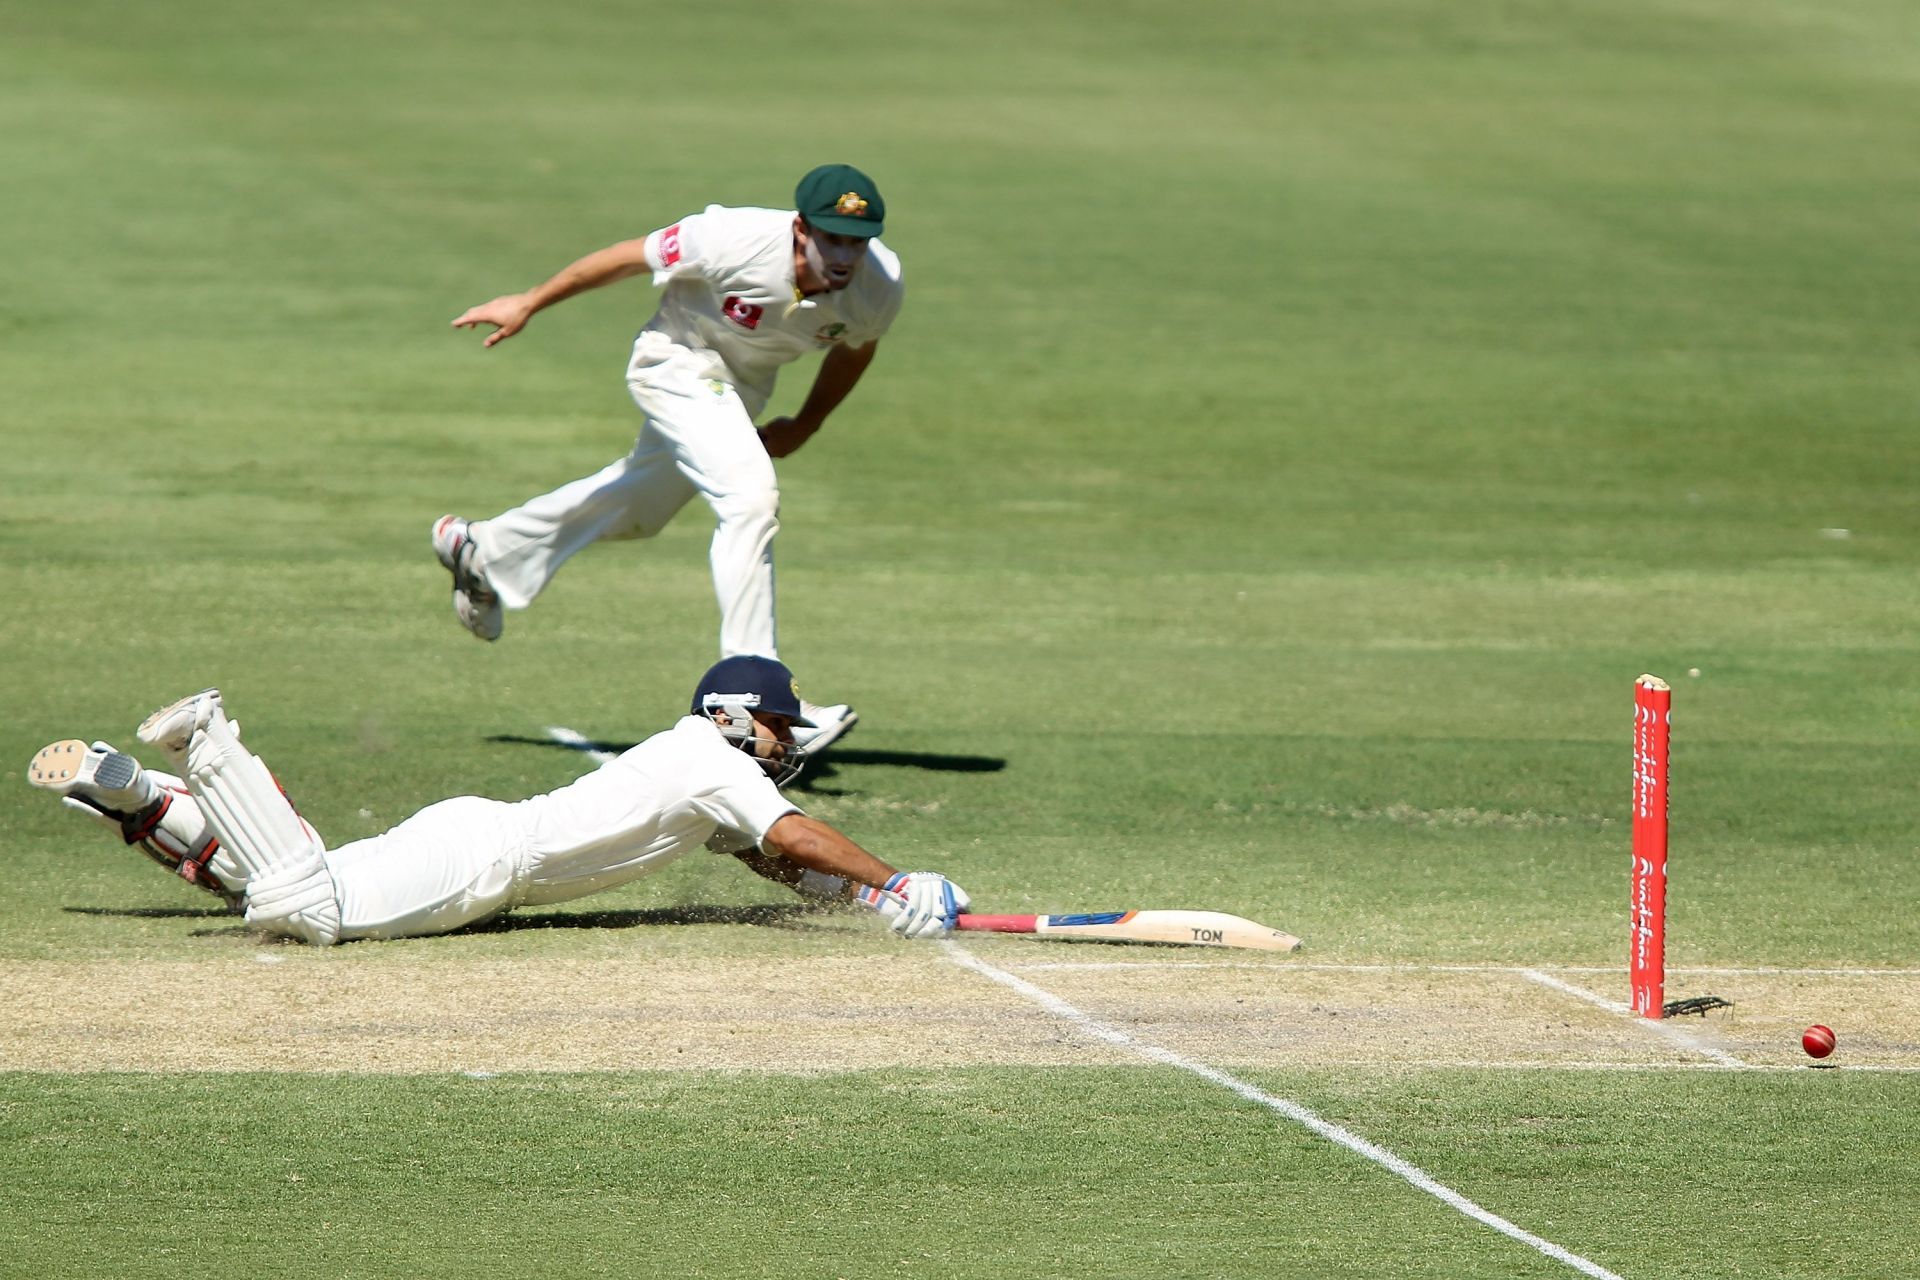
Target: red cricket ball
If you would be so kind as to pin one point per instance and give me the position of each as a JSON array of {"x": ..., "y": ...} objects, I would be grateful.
[{"x": 1818, "y": 1041}]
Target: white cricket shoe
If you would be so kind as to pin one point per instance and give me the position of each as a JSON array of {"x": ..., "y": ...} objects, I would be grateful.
[
  {"x": 97, "y": 774},
  {"x": 829, "y": 725},
  {"x": 474, "y": 602},
  {"x": 171, "y": 727}
]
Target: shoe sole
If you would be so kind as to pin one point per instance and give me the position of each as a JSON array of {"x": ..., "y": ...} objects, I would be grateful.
[
  {"x": 66, "y": 766},
  {"x": 486, "y": 622}
]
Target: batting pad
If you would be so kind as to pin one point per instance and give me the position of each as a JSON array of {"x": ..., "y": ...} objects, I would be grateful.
[
  {"x": 289, "y": 889},
  {"x": 296, "y": 899}
]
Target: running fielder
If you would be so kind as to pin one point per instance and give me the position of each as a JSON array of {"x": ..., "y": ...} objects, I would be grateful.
[
  {"x": 711, "y": 780},
  {"x": 747, "y": 290}
]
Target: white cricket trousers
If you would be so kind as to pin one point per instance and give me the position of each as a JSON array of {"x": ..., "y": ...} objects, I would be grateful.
[
  {"x": 698, "y": 438},
  {"x": 450, "y": 864}
]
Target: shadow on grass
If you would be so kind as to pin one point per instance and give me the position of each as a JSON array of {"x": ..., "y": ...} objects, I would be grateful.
[
  {"x": 821, "y": 768},
  {"x": 152, "y": 913},
  {"x": 791, "y": 915},
  {"x": 794, "y": 915},
  {"x": 818, "y": 771}
]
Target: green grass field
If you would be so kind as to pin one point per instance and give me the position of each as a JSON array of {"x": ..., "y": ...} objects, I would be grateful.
[{"x": 1305, "y": 423}]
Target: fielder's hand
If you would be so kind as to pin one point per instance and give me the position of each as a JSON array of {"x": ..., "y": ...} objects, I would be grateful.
[
  {"x": 918, "y": 904},
  {"x": 508, "y": 315},
  {"x": 783, "y": 435}
]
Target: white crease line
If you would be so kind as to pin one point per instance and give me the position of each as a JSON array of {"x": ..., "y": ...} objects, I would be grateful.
[
  {"x": 1463, "y": 1064},
  {"x": 581, "y": 743},
  {"x": 1257, "y": 964},
  {"x": 1678, "y": 1037},
  {"x": 1591, "y": 997},
  {"x": 1771, "y": 971},
  {"x": 1276, "y": 965},
  {"x": 1329, "y": 967},
  {"x": 1292, "y": 1110}
]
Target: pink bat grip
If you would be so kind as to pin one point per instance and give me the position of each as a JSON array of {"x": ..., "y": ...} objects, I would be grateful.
[{"x": 996, "y": 924}]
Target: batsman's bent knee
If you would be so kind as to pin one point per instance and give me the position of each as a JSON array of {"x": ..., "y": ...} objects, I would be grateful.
[{"x": 298, "y": 900}]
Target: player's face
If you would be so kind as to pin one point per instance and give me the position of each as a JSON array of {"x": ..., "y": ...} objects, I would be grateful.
[
  {"x": 827, "y": 260},
  {"x": 772, "y": 733}
]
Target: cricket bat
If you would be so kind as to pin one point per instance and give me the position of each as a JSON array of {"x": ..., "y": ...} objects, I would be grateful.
[{"x": 1183, "y": 928}]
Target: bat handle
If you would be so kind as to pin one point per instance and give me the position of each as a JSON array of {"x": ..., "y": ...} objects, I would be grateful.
[{"x": 996, "y": 924}]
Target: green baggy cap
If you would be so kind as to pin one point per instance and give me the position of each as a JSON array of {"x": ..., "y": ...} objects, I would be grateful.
[{"x": 841, "y": 199}]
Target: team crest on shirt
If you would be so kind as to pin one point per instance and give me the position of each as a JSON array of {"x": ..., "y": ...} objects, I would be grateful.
[
  {"x": 828, "y": 334},
  {"x": 851, "y": 205}
]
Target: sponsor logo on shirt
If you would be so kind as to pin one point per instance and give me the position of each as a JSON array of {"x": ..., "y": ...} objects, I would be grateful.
[
  {"x": 827, "y": 334},
  {"x": 744, "y": 314},
  {"x": 670, "y": 246}
]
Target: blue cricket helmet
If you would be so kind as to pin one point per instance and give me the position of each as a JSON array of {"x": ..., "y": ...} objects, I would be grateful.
[
  {"x": 750, "y": 681},
  {"x": 742, "y": 685}
]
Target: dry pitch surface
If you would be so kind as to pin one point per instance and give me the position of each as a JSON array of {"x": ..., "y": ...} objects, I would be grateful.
[{"x": 283, "y": 1007}]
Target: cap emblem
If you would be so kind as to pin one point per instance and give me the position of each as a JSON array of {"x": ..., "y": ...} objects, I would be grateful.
[{"x": 851, "y": 205}]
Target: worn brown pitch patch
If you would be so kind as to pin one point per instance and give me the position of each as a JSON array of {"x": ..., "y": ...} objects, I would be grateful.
[
  {"x": 1876, "y": 1016},
  {"x": 336, "y": 1011},
  {"x": 367, "y": 1010},
  {"x": 1271, "y": 1016},
  {"x": 1302, "y": 1015}
]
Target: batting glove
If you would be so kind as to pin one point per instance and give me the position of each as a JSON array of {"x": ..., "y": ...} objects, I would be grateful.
[{"x": 918, "y": 904}]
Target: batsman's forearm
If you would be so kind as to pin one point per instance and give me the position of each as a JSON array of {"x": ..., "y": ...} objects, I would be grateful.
[
  {"x": 816, "y": 846},
  {"x": 804, "y": 881},
  {"x": 770, "y": 867}
]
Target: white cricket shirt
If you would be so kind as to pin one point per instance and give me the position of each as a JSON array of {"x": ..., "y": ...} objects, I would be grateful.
[
  {"x": 728, "y": 275},
  {"x": 655, "y": 802}
]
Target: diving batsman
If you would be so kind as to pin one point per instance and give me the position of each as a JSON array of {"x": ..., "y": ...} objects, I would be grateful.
[{"x": 221, "y": 822}]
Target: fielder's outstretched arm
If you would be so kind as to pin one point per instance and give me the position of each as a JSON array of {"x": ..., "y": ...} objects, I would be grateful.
[{"x": 509, "y": 313}]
